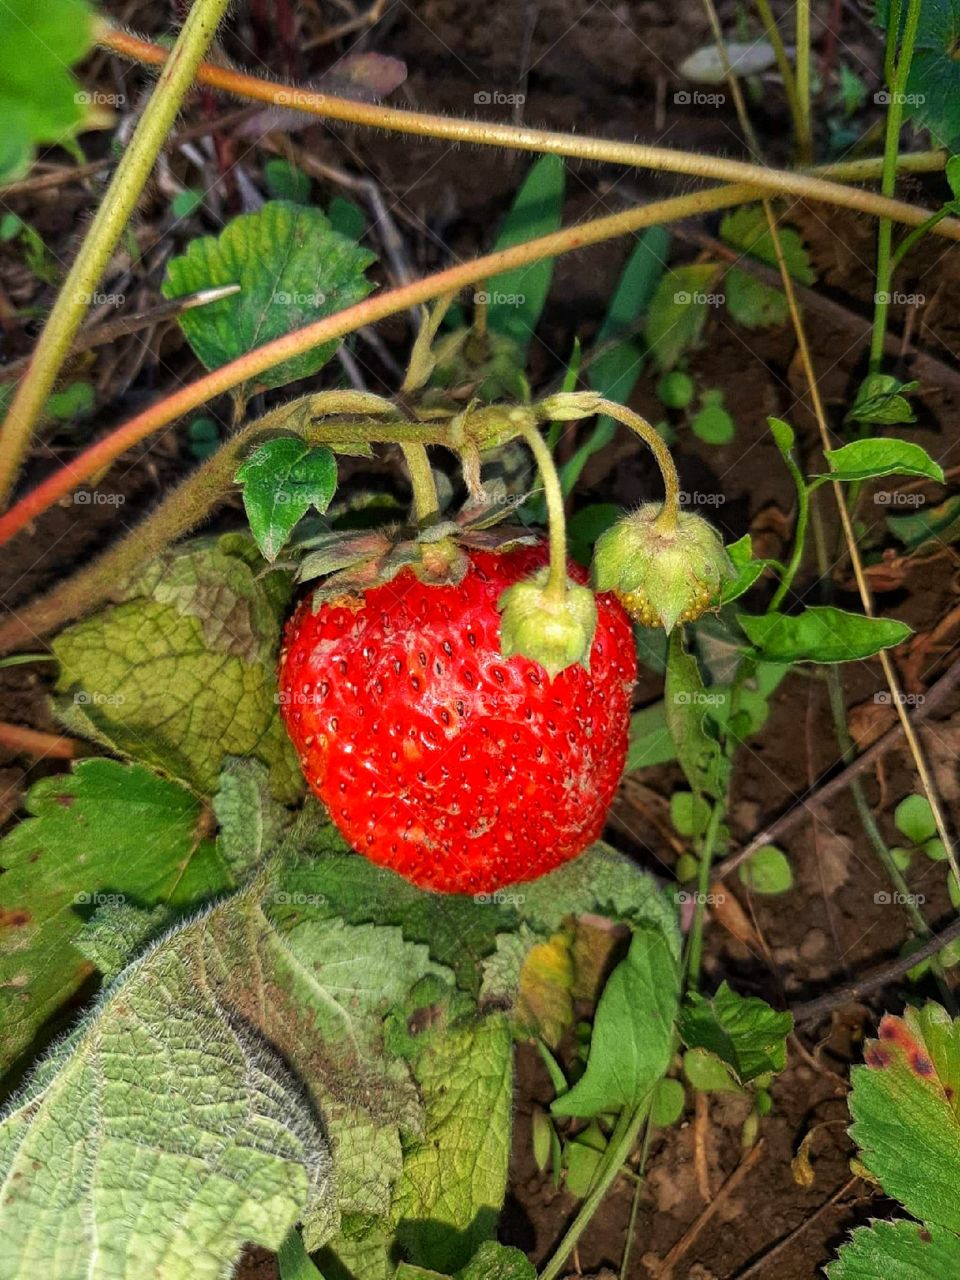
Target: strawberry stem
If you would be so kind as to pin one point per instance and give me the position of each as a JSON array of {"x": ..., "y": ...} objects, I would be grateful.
[
  {"x": 426, "y": 504},
  {"x": 667, "y": 519},
  {"x": 556, "y": 516}
]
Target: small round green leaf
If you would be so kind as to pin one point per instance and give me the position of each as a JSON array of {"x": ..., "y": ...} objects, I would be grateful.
[
  {"x": 914, "y": 819},
  {"x": 767, "y": 871}
]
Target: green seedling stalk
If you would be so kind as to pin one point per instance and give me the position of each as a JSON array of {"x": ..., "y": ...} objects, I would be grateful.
[
  {"x": 772, "y": 32},
  {"x": 707, "y": 850},
  {"x": 622, "y": 1141},
  {"x": 803, "y": 123},
  {"x": 112, "y": 216},
  {"x": 898, "y": 70}
]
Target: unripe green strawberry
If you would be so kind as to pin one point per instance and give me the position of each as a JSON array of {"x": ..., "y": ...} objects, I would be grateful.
[
  {"x": 437, "y": 756},
  {"x": 557, "y": 632},
  {"x": 663, "y": 570}
]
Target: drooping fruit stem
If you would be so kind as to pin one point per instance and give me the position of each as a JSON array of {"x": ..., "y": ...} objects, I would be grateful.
[
  {"x": 556, "y": 516},
  {"x": 426, "y": 504},
  {"x": 667, "y": 520}
]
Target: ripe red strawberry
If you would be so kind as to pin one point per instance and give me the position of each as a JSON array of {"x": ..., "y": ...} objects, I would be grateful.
[{"x": 459, "y": 769}]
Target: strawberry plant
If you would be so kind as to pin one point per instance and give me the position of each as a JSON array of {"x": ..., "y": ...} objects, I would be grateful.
[{"x": 326, "y": 858}]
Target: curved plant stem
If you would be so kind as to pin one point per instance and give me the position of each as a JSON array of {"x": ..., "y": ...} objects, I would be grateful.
[
  {"x": 671, "y": 481},
  {"x": 189, "y": 504},
  {"x": 426, "y": 505},
  {"x": 621, "y": 1143},
  {"x": 799, "y": 533},
  {"x": 556, "y": 517},
  {"x": 896, "y": 84},
  {"x": 98, "y": 456},
  {"x": 759, "y": 178},
  {"x": 117, "y": 205}
]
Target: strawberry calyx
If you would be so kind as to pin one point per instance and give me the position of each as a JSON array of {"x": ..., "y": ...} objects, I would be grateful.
[{"x": 352, "y": 562}]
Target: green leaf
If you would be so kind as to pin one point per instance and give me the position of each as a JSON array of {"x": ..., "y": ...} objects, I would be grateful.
[
  {"x": 252, "y": 823},
  {"x": 668, "y": 1102},
  {"x": 939, "y": 524},
  {"x": 699, "y": 753},
  {"x": 650, "y": 741},
  {"x": 105, "y": 834},
  {"x": 713, "y": 425},
  {"x": 186, "y": 203},
  {"x": 181, "y": 673},
  {"x": 293, "y": 1260},
  {"x": 767, "y": 871},
  {"x": 881, "y": 401},
  {"x": 748, "y": 570},
  {"x": 75, "y": 401},
  {"x": 678, "y": 312},
  {"x": 454, "y": 1180},
  {"x": 821, "y": 633},
  {"x": 676, "y": 390},
  {"x": 867, "y": 459},
  {"x": 347, "y": 217},
  {"x": 195, "y": 1135},
  {"x": 898, "y": 1251},
  {"x": 784, "y": 436},
  {"x": 601, "y": 881},
  {"x": 586, "y": 526},
  {"x": 40, "y": 101},
  {"x": 516, "y": 298},
  {"x": 689, "y": 813},
  {"x": 752, "y": 302},
  {"x": 914, "y": 819},
  {"x": 747, "y": 229},
  {"x": 281, "y": 481},
  {"x": 633, "y": 1033},
  {"x": 707, "y": 1073},
  {"x": 292, "y": 268},
  {"x": 905, "y": 1104},
  {"x": 742, "y": 1031},
  {"x": 494, "y": 1261},
  {"x": 284, "y": 181},
  {"x": 952, "y": 174}
]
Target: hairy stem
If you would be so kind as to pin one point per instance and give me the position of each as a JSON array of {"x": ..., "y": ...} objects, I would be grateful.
[
  {"x": 426, "y": 505},
  {"x": 520, "y": 138},
  {"x": 190, "y": 504},
  {"x": 556, "y": 516},
  {"x": 111, "y": 217},
  {"x": 671, "y": 481},
  {"x": 97, "y": 457}
]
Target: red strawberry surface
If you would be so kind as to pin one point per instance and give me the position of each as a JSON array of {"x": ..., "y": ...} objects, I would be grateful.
[{"x": 437, "y": 757}]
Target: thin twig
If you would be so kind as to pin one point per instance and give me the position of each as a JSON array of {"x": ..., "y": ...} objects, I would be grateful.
[
  {"x": 665, "y": 1269},
  {"x": 814, "y": 1010}
]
